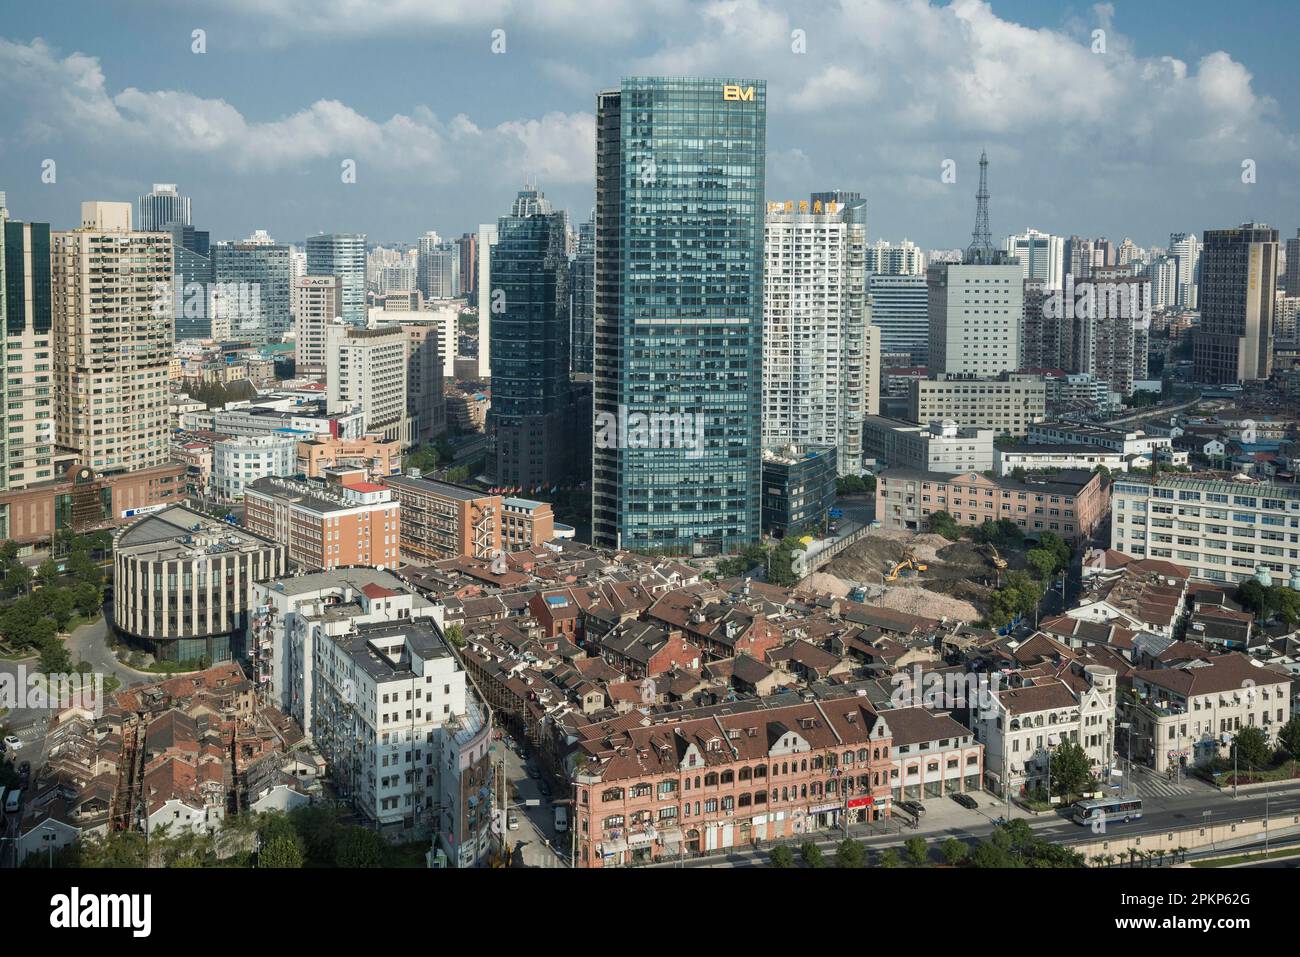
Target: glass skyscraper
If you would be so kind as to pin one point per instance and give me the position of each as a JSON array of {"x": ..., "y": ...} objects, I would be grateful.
[
  {"x": 679, "y": 314},
  {"x": 342, "y": 255},
  {"x": 582, "y": 274}
]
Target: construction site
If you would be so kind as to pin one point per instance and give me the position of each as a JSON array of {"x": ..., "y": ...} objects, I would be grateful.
[{"x": 923, "y": 574}]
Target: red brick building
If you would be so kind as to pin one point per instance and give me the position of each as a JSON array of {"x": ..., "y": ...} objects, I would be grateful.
[{"x": 698, "y": 784}]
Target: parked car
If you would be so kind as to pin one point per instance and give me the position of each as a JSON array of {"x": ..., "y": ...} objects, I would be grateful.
[
  {"x": 966, "y": 801},
  {"x": 13, "y": 743},
  {"x": 512, "y": 821},
  {"x": 915, "y": 808}
]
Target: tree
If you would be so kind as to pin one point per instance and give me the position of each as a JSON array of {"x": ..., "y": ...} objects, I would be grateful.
[
  {"x": 1058, "y": 546},
  {"x": 954, "y": 851},
  {"x": 850, "y": 853},
  {"x": 916, "y": 850},
  {"x": 47, "y": 573},
  {"x": 888, "y": 857},
  {"x": 359, "y": 847},
  {"x": 987, "y": 854},
  {"x": 1250, "y": 748},
  {"x": 281, "y": 852},
  {"x": 1042, "y": 562},
  {"x": 1071, "y": 769},
  {"x": 1289, "y": 738},
  {"x": 811, "y": 854},
  {"x": 780, "y": 856},
  {"x": 942, "y": 523},
  {"x": 455, "y": 635}
]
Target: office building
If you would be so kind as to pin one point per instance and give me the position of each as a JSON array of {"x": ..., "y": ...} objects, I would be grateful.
[
  {"x": 1234, "y": 343},
  {"x": 30, "y": 452},
  {"x": 365, "y": 369},
  {"x": 467, "y": 246},
  {"x": 487, "y": 238},
  {"x": 1292, "y": 287},
  {"x": 816, "y": 319},
  {"x": 1041, "y": 256},
  {"x": 373, "y": 454},
  {"x": 1041, "y": 457},
  {"x": 525, "y": 523},
  {"x": 342, "y": 255},
  {"x": 534, "y": 412},
  {"x": 251, "y": 297},
  {"x": 942, "y": 447},
  {"x": 162, "y": 208},
  {"x": 240, "y": 460},
  {"x": 1072, "y": 504},
  {"x": 582, "y": 285},
  {"x": 679, "y": 311},
  {"x": 1008, "y": 404},
  {"x": 324, "y": 525},
  {"x": 900, "y": 310},
  {"x": 183, "y": 584},
  {"x": 1221, "y": 530},
  {"x": 798, "y": 488},
  {"x": 111, "y": 406},
  {"x": 316, "y": 307},
  {"x": 975, "y": 312},
  {"x": 440, "y": 520}
]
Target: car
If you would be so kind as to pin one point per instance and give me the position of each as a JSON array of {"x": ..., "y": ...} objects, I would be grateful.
[
  {"x": 13, "y": 743},
  {"x": 512, "y": 821},
  {"x": 544, "y": 788},
  {"x": 966, "y": 801},
  {"x": 915, "y": 808}
]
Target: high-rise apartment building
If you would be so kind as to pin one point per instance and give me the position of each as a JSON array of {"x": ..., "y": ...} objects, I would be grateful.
[
  {"x": 1077, "y": 257},
  {"x": 815, "y": 332},
  {"x": 163, "y": 207},
  {"x": 487, "y": 238},
  {"x": 252, "y": 292},
  {"x": 1163, "y": 273},
  {"x": 438, "y": 267},
  {"x": 467, "y": 245},
  {"x": 1041, "y": 255},
  {"x": 1238, "y": 269},
  {"x": 112, "y": 344},
  {"x": 1110, "y": 323},
  {"x": 1185, "y": 248},
  {"x": 316, "y": 306},
  {"x": 679, "y": 311},
  {"x": 366, "y": 369},
  {"x": 533, "y": 404},
  {"x": 894, "y": 259},
  {"x": 342, "y": 255}
]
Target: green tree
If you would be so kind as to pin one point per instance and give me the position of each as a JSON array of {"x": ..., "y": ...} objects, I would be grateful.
[
  {"x": 888, "y": 858},
  {"x": 1103, "y": 471},
  {"x": 1250, "y": 748},
  {"x": 47, "y": 573},
  {"x": 359, "y": 847},
  {"x": 780, "y": 856},
  {"x": 987, "y": 854},
  {"x": 281, "y": 852},
  {"x": 917, "y": 852},
  {"x": 811, "y": 854},
  {"x": 942, "y": 523},
  {"x": 954, "y": 851},
  {"x": 1058, "y": 546},
  {"x": 850, "y": 853},
  {"x": 455, "y": 635},
  {"x": 1041, "y": 562},
  {"x": 1289, "y": 738},
  {"x": 1071, "y": 769}
]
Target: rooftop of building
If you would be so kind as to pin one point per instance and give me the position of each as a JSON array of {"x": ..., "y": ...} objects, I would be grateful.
[
  {"x": 177, "y": 532},
  {"x": 359, "y": 578},
  {"x": 310, "y": 494},
  {"x": 432, "y": 487},
  {"x": 388, "y": 650}
]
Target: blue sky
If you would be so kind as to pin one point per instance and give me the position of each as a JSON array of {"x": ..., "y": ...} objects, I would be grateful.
[{"x": 1141, "y": 139}]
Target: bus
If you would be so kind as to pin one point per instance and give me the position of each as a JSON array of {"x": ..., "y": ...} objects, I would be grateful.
[{"x": 1108, "y": 809}]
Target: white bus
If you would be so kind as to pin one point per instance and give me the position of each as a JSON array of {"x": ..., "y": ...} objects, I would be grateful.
[{"x": 1108, "y": 809}]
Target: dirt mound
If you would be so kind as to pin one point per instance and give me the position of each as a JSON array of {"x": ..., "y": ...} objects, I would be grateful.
[
  {"x": 822, "y": 582},
  {"x": 916, "y": 600}
]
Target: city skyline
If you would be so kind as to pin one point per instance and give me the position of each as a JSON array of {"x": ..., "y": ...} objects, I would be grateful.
[{"x": 1159, "y": 123}]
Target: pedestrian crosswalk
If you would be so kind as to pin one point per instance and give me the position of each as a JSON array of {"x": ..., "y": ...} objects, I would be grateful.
[{"x": 1157, "y": 785}]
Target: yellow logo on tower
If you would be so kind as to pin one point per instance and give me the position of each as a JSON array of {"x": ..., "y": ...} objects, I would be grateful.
[{"x": 733, "y": 92}]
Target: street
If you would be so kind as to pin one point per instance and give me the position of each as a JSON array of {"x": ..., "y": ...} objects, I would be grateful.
[{"x": 534, "y": 844}]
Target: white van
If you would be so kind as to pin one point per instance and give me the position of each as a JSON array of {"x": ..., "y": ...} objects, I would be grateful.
[
  {"x": 561, "y": 817},
  {"x": 13, "y": 801}
]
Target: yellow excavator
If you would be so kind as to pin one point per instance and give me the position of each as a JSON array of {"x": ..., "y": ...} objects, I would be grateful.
[
  {"x": 998, "y": 561},
  {"x": 908, "y": 561}
]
